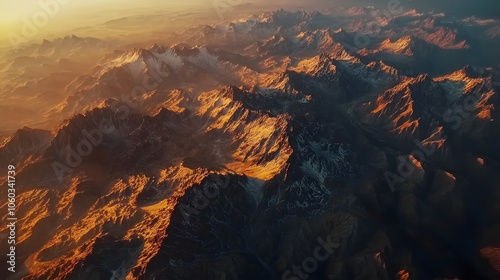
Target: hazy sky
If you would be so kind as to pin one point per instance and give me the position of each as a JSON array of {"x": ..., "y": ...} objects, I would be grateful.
[
  {"x": 15, "y": 15},
  {"x": 13, "y": 10}
]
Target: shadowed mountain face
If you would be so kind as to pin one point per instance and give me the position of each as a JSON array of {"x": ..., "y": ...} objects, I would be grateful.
[{"x": 285, "y": 145}]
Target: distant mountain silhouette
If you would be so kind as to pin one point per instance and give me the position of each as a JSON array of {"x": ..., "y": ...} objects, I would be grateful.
[{"x": 483, "y": 8}]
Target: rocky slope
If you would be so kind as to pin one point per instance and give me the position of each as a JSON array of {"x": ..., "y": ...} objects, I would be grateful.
[{"x": 272, "y": 150}]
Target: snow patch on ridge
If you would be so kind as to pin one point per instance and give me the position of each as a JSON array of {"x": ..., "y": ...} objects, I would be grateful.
[{"x": 204, "y": 59}]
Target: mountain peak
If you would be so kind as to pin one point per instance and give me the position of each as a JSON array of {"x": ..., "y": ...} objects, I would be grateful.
[{"x": 407, "y": 45}]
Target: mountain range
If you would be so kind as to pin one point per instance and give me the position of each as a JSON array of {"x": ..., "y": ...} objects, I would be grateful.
[{"x": 240, "y": 150}]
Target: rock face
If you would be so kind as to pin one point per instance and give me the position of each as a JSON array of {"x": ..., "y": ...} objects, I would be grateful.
[
  {"x": 26, "y": 142},
  {"x": 296, "y": 157}
]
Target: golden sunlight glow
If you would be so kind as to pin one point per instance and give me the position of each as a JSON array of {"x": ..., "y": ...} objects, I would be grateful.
[{"x": 37, "y": 19}]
